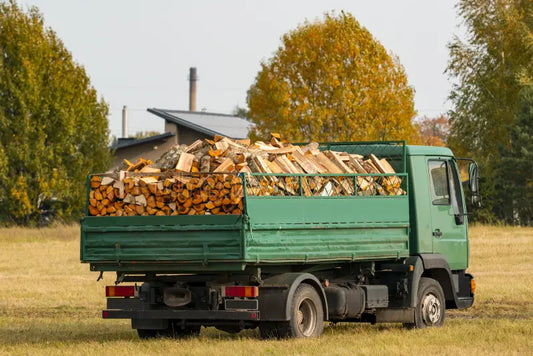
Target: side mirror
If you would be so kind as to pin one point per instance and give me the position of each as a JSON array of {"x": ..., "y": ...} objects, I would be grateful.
[{"x": 473, "y": 183}]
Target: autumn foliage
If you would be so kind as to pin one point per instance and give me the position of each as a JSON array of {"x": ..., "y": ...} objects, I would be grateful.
[
  {"x": 331, "y": 80},
  {"x": 434, "y": 130},
  {"x": 53, "y": 126}
]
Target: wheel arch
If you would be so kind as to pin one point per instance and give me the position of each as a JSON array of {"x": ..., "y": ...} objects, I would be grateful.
[
  {"x": 277, "y": 291},
  {"x": 437, "y": 268}
]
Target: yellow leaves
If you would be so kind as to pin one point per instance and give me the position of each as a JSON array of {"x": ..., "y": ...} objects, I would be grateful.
[
  {"x": 330, "y": 80},
  {"x": 19, "y": 195}
]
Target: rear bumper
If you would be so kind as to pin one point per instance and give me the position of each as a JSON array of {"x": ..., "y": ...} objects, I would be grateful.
[{"x": 210, "y": 315}]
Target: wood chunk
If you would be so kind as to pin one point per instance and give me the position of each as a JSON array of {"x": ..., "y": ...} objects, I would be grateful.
[
  {"x": 185, "y": 162},
  {"x": 226, "y": 166},
  {"x": 195, "y": 146},
  {"x": 334, "y": 157},
  {"x": 148, "y": 180},
  {"x": 307, "y": 165},
  {"x": 148, "y": 169},
  {"x": 205, "y": 163},
  {"x": 275, "y": 141},
  {"x": 107, "y": 181},
  {"x": 95, "y": 182},
  {"x": 283, "y": 150},
  {"x": 140, "y": 200},
  {"x": 119, "y": 185},
  {"x": 214, "y": 153},
  {"x": 129, "y": 199},
  {"x": 273, "y": 167},
  {"x": 327, "y": 164},
  {"x": 139, "y": 209},
  {"x": 222, "y": 145},
  {"x": 386, "y": 166},
  {"x": 286, "y": 165},
  {"x": 93, "y": 210}
]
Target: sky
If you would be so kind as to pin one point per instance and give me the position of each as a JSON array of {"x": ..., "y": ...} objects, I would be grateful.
[{"x": 138, "y": 53}]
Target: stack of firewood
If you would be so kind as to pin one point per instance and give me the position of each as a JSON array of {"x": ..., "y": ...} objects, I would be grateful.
[{"x": 207, "y": 177}]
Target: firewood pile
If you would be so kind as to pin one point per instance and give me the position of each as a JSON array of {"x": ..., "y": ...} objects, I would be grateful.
[{"x": 206, "y": 178}]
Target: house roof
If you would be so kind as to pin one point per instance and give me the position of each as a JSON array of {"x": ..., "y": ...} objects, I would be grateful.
[
  {"x": 128, "y": 142},
  {"x": 208, "y": 123}
]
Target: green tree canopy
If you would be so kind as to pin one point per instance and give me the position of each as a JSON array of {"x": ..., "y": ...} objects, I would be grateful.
[
  {"x": 53, "y": 126},
  {"x": 514, "y": 173},
  {"x": 332, "y": 81},
  {"x": 489, "y": 68}
]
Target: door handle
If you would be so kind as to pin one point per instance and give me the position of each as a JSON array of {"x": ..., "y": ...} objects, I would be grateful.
[{"x": 437, "y": 233}]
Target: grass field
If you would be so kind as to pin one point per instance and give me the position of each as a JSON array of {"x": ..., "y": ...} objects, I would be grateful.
[{"x": 50, "y": 304}]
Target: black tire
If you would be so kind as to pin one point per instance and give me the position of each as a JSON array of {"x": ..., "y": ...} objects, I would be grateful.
[
  {"x": 307, "y": 317},
  {"x": 430, "y": 310},
  {"x": 174, "y": 330}
]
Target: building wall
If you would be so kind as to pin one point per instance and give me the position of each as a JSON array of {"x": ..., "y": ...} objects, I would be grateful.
[
  {"x": 187, "y": 136},
  {"x": 173, "y": 128}
]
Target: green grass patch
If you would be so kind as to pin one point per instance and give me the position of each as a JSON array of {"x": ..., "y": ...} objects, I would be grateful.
[{"x": 50, "y": 304}]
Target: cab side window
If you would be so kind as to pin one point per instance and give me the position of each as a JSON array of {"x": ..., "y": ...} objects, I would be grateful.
[{"x": 439, "y": 182}]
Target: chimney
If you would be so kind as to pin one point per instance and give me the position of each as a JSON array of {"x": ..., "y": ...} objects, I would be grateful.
[
  {"x": 125, "y": 121},
  {"x": 192, "y": 88}
]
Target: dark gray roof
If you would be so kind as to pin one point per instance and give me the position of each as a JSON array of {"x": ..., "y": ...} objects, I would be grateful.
[
  {"x": 207, "y": 123},
  {"x": 130, "y": 141}
]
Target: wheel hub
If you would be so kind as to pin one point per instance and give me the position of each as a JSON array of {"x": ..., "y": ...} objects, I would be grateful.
[
  {"x": 306, "y": 317},
  {"x": 431, "y": 309}
]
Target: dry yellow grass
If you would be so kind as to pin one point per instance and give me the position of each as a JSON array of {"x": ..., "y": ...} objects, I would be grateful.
[{"x": 50, "y": 304}]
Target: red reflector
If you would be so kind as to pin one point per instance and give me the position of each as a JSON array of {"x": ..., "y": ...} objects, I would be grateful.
[
  {"x": 105, "y": 314},
  {"x": 242, "y": 291},
  {"x": 119, "y": 291}
]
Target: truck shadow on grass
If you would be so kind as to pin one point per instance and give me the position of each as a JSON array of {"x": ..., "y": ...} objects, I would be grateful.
[{"x": 51, "y": 332}]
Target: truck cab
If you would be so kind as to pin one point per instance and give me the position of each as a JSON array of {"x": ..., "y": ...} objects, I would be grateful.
[{"x": 289, "y": 263}]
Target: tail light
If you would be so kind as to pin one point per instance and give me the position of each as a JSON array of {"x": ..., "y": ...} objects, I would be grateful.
[
  {"x": 119, "y": 291},
  {"x": 241, "y": 291}
]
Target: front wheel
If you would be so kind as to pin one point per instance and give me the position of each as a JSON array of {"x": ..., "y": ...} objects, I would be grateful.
[{"x": 430, "y": 305}]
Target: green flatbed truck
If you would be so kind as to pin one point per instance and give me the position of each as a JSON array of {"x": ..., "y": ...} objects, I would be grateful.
[{"x": 289, "y": 263}]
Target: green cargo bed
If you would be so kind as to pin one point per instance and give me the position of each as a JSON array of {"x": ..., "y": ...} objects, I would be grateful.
[{"x": 272, "y": 230}]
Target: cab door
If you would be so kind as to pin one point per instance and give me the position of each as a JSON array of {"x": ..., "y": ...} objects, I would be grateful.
[{"x": 448, "y": 220}]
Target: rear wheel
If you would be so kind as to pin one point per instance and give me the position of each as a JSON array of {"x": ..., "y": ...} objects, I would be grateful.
[
  {"x": 307, "y": 317},
  {"x": 431, "y": 305}
]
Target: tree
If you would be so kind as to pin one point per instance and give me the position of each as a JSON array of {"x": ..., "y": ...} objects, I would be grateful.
[
  {"x": 241, "y": 112},
  {"x": 489, "y": 69},
  {"x": 145, "y": 134},
  {"x": 434, "y": 131},
  {"x": 332, "y": 81},
  {"x": 53, "y": 127},
  {"x": 514, "y": 174}
]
